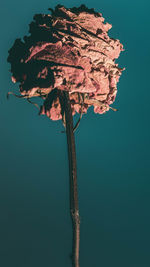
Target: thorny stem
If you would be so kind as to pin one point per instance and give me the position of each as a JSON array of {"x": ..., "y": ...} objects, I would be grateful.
[{"x": 74, "y": 207}]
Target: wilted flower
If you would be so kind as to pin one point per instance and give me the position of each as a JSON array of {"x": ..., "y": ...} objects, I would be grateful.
[
  {"x": 68, "y": 50},
  {"x": 68, "y": 60}
]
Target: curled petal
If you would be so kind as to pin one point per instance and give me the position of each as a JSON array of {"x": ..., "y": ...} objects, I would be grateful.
[{"x": 69, "y": 50}]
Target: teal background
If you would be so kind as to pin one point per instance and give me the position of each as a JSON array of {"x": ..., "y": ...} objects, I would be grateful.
[{"x": 113, "y": 152}]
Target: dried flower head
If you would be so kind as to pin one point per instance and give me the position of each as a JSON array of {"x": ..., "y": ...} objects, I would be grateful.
[{"x": 68, "y": 50}]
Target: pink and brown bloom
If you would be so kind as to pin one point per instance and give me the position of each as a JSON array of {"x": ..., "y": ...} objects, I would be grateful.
[{"x": 69, "y": 50}]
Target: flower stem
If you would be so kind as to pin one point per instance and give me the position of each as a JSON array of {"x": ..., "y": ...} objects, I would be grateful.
[{"x": 74, "y": 207}]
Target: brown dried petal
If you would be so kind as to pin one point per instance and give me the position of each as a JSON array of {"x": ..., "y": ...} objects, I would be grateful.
[{"x": 68, "y": 50}]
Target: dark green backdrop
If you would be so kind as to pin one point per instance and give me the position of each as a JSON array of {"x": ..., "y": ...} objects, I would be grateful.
[{"x": 113, "y": 152}]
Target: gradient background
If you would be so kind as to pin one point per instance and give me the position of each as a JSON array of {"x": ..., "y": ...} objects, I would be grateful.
[{"x": 113, "y": 152}]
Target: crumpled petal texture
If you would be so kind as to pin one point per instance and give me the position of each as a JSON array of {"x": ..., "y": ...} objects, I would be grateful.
[{"x": 68, "y": 50}]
